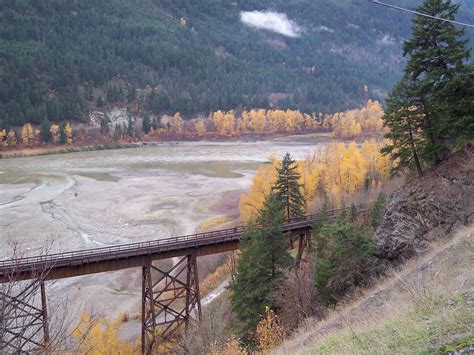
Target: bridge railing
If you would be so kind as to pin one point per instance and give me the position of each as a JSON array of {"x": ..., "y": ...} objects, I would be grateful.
[{"x": 153, "y": 246}]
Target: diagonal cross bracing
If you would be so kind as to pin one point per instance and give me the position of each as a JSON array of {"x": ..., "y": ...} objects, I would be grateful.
[{"x": 168, "y": 301}]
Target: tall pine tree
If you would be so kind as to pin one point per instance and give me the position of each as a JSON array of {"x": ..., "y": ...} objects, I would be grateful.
[
  {"x": 288, "y": 189},
  {"x": 146, "y": 126},
  {"x": 264, "y": 253},
  {"x": 437, "y": 67},
  {"x": 45, "y": 132},
  {"x": 270, "y": 219},
  {"x": 405, "y": 121}
]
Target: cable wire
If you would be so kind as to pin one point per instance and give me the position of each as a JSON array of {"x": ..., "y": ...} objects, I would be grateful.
[{"x": 421, "y": 13}]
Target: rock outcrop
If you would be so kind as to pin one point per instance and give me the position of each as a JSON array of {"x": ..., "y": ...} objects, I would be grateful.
[{"x": 427, "y": 208}]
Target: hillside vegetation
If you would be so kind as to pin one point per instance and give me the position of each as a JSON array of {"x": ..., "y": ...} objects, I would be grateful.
[
  {"x": 427, "y": 307},
  {"x": 59, "y": 59}
]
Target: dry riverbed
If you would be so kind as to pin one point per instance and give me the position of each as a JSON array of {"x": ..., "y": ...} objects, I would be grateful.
[{"x": 100, "y": 198}]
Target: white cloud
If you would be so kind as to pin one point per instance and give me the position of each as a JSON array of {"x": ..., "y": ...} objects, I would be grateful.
[{"x": 271, "y": 21}]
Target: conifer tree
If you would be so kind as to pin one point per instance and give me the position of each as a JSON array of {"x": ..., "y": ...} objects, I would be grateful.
[
  {"x": 405, "y": 121},
  {"x": 104, "y": 126},
  {"x": 270, "y": 219},
  {"x": 100, "y": 102},
  {"x": 130, "y": 129},
  {"x": 440, "y": 80},
  {"x": 146, "y": 124},
  {"x": 377, "y": 209},
  {"x": 251, "y": 289},
  {"x": 45, "y": 133},
  {"x": 288, "y": 189},
  {"x": 154, "y": 124},
  {"x": 132, "y": 93},
  {"x": 117, "y": 133},
  {"x": 264, "y": 253},
  {"x": 62, "y": 134},
  {"x": 344, "y": 250}
]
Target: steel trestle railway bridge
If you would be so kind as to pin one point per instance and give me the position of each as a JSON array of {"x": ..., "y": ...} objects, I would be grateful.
[{"x": 168, "y": 301}]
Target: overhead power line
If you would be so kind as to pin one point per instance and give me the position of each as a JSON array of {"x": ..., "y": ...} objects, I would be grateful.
[{"x": 421, "y": 14}]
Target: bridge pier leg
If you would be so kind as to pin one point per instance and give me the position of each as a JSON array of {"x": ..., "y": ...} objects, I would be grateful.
[
  {"x": 304, "y": 241},
  {"x": 170, "y": 299},
  {"x": 23, "y": 319}
]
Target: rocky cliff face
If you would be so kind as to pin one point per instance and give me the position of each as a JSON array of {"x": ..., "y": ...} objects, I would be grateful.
[{"x": 427, "y": 209}]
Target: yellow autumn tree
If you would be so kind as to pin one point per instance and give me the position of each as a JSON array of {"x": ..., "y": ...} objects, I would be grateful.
[
  {"x": 262, "y": 183},
  {"x": 231, "y": 346},
  {"x": 218, "y": 120},
  {"x": 269, "y": 334},
  {"x": 24, "y": 135},
  {"x": 68, "y": 132},
  {"x": 378, "y": 165},
  {"x": 353, "y": 169},
  {"x": 27, "y": 134},
  {"x": 3, "y": 138},
  {"x": 200, "y": 127},
  {"x": 177, "y": 123},
  {"x": 11, "y": 138},
  {"x": 229, "y": 123},
  {"x": 337, "y": 171},
  {"x": 258, "y": 120},
  {"x": 309, "y": 122},
  {"x": 54, "y": 130},
  {"x": 224, "y": 122},
  {"x": 243, "y": 123},
  {"x": 354, "y": 123},
  {"x": 276, "y": 120},
  {"x": 37, "y": 134},
  {"x": 100, "y": 337}
]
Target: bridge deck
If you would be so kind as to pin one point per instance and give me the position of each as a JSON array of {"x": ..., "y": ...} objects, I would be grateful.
[{"x": 82, "y": 262}]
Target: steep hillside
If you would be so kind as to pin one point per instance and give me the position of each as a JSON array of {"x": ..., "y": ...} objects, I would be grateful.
[
  {"x": 59, "y": 58},
  {"x": 426, "y": 307},
  {"x": 425, "y": 245}
]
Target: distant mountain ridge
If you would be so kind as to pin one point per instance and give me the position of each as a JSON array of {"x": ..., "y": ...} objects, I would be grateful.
[{"x": 60, "y": 59}]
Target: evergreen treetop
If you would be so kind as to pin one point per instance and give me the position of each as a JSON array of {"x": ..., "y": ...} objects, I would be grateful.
[
  {"x": 432, "y": 109},
  {"x": 288, "y": 189}
]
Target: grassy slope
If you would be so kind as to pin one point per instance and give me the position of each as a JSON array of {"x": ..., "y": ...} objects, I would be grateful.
[{"x": 427, "y": 307}]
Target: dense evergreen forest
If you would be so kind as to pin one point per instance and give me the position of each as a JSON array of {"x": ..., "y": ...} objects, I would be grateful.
[{"x": 59, "y": 59}]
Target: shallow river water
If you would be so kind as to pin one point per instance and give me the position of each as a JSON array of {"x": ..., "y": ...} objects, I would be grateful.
[{"x": 91, "y": 199}]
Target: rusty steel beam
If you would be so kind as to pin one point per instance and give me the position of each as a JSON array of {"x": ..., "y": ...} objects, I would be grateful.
[
  {"x": 169, "y": 301},
  {"x": 21, "y": 321},
  {"x": 125, "y": 262}
]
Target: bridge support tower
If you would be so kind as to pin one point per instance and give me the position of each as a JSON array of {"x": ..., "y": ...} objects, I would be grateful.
[
  {"x": 23, "y": 317},
  {"x": 170, "y": 299}
]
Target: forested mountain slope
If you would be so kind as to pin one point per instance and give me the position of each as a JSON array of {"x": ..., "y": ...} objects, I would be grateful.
[{"x": 61, "y": 58}]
